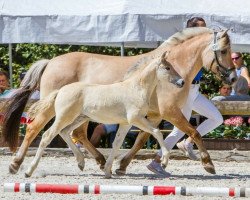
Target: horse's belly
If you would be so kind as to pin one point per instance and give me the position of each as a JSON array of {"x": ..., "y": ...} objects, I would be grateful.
[{"x": 106, "y": 117}]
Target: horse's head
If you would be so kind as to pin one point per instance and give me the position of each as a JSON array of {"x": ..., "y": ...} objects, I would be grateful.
[
  {"x": 217, "y": 58},
  {"x": 167, "y": 72}
]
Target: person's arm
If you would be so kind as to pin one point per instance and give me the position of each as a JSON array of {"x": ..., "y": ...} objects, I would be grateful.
[{"x": 245, "y": 74}]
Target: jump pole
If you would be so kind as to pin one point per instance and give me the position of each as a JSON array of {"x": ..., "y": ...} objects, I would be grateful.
[{"x": 127, "y": 189}]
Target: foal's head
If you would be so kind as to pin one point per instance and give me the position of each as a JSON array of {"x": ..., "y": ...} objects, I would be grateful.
[{"x": 166, "y": 72}]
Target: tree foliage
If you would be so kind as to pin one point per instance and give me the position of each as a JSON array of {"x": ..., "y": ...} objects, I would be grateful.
[{"x": 26, "y": 54}]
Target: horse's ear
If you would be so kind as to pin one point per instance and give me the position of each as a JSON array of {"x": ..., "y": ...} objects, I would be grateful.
[
  {"x": 164, "y": 61},
  {"x": 224, "y": 33}
]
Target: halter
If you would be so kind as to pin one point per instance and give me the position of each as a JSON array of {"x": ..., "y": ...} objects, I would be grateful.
[{"x": 225, "y": 72}]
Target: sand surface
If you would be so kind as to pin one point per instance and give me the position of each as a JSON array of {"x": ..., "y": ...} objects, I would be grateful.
[{"x": 64, "y": 170}]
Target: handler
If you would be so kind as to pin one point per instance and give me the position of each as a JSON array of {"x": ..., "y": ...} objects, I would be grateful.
[{"x": 200, "y": 104}]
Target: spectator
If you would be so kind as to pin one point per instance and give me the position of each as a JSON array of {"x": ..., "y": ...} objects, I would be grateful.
[
  {"x": 200, "y": 104},
  {"x": 103, "y": 130},
  {"x": 4, "y": 85},
  {"x": 224, "y": 90},
  {"x": 241, "y": 92},
  {"x": 240, "y": 67}
]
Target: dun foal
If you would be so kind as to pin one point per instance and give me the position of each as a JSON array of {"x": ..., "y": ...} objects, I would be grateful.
[{"x": 125, "y": 103}]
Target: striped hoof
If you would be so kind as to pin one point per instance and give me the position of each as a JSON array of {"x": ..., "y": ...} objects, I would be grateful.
[
  {"x": 120, "y": 172},
  {"x": 210, "y": 168}
]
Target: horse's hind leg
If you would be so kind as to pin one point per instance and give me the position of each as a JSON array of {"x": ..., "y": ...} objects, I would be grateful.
[
  {"x": 32, "y": 131},
  {"x": 141, "y": 139},
  {"x": 81, "y": 134},
  {"x": 46, "y": 139}
]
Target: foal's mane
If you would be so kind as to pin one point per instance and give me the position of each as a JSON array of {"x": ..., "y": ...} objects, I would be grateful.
[{"x": 173, "y": 41}]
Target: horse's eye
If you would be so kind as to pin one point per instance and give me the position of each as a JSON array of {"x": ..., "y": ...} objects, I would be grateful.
[
  {"x": 224, "y": 51},
  {"x": 167, "y": 68}
]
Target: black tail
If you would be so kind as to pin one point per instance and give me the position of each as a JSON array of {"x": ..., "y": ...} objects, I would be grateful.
[
  {"x": 16, "y": 104},
  {"x": 12, "y": 115}
]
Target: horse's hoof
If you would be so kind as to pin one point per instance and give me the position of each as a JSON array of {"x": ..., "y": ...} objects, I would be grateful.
[
  {"x": 12, "y": 169},
  {"x": 209, "y": 168},
  {"x": 120, "y": 172},
  {"x": 81, "y": 166},
  {"x": 102, "y": 167}
]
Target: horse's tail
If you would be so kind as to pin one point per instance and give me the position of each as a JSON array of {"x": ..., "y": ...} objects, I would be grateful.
[
  {"x": 42, "y": 105},
  {"x": 16, "y": 104}
]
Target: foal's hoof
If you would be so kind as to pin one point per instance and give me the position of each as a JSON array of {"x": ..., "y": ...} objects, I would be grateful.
[
  {"x": 27, "y": 175},
  {"x": 108, "y": 175},
  {"x": 209, "y": 168},
  {"x": 13, "y": 169},
  {"x": 120, "y": 172}
]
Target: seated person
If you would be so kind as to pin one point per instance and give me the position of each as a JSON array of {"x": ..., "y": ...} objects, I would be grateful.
[
  {"x": 109, "y": 129},
  {"x": 4, "y": 85},
  {"x": 225, "y": 90},
  {"x": 241, "y": 92},
  {"x": 102, "y": 130}
]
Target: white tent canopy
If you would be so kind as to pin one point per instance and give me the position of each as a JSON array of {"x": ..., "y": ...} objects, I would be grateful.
[{"x": 138, "y": 23}]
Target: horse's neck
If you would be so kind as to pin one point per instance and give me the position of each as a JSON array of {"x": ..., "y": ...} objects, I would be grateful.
[
  {"x": 147, "y": 80},
  {"x": 189, "y": 66}
]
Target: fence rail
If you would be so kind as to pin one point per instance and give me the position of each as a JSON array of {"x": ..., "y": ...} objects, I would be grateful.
[{"x": 225, "y": 107}]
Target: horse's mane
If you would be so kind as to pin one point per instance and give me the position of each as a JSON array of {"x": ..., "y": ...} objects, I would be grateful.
[
  {"x": 174, "y": 40},
  {"x": 184, "y": 35}
]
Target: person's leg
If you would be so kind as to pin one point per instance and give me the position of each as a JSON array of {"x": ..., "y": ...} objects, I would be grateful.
[
  {"x": 170, "y": 141},
  {"x": 176, "y": 134},
  {"x": 99, "y": 131},
  {"x": 206, "y": 108}
]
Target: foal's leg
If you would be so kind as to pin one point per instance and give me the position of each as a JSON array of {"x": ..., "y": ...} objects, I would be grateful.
[
  {"x": 119, "y": 138},
  {"x": 48, "y": 136},
  {"x": 65, "y": 135},
  {"x": 81, "y": 134},
  {"x": 181, "y": 123},
  {"x": 46, "y": 139},
  {"x": 32, "y": 131},
  {"x": 141, "y": 139}
]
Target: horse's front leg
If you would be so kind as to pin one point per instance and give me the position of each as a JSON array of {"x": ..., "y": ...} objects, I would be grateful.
[
  {"x": 119, "y": 138},
  {"x": 32, "y": 131},
  {"x": 77, "y": 153},
  {"x": 145, "y": 125},
  {"x": 178, "y": 119},
  {"x": 81, "y": 134},
  {"x": 141, "y": 139}
]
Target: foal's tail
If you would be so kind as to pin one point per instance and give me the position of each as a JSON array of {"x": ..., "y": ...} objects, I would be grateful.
[
  {"x": 42, "y": 105},
  {"x": 16, "y": 104}
]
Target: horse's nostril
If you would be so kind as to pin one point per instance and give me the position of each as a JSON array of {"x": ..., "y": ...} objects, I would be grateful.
[{"x": 233, "y": 80}]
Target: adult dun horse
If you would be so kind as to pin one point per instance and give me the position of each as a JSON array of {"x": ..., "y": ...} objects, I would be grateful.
[
  {"x": 187, "y": 52},
  {"x": 125, "y": 103}
]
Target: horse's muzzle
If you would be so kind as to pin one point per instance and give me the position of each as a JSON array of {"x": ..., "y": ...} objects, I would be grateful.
[{"x": 179, "y": 83}]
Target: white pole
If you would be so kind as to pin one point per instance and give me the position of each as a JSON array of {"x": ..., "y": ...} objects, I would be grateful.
[
  {"x": 10, "y": 65},
  {"x": 122, "y": 49}
]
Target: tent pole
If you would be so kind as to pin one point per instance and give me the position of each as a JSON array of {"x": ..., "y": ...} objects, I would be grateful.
[
  {"x": 10, "y": 65},
  {"x": 122, "y": 49}
]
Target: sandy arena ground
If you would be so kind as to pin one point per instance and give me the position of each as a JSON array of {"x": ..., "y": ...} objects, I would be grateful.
[{"x": 64, "y": 170}]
